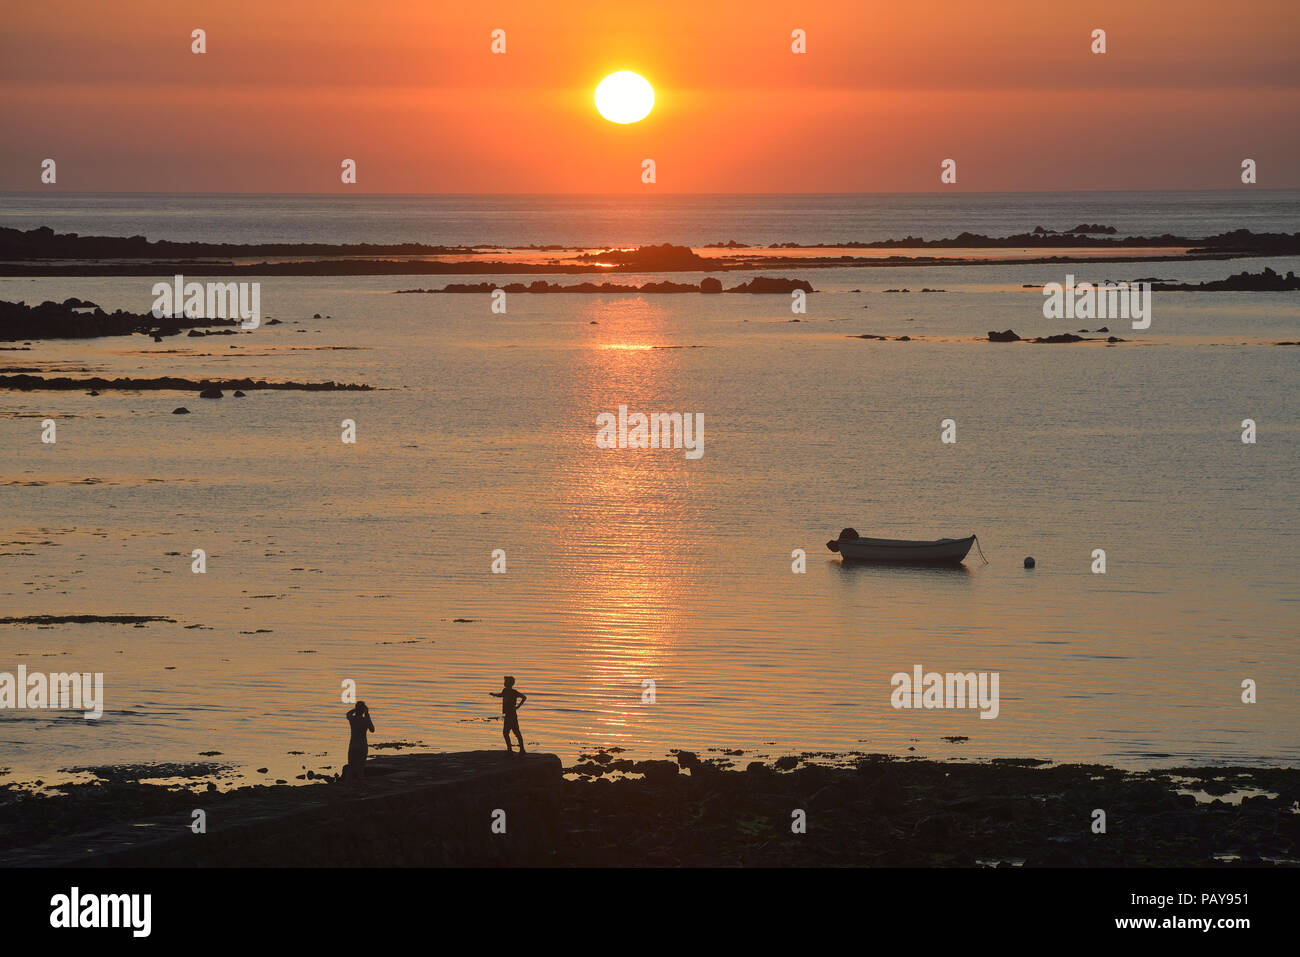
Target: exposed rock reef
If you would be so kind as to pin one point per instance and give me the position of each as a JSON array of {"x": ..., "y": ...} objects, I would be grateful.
[
  {"x": 1245, "y": 281},
  {"x": 42, "y": 252},
  {"x": 856, "y": 810},
  {"x": 78, "y": 319},
  {"x": 1009, "y": 335},
  {"x": 205, "y": 387},
  {"x": 757, "y": 285}
]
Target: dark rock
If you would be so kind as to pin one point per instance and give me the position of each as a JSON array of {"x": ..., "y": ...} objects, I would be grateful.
[
  {"x": 210, "y": 394},
  {"x": 766, "y": 284},
  {"x": 658, "y": 772},
  {"x": 830, "y": 796},
  {"x": 888, "y": 795},
  {"x": 77, "y": 319},
  {"x": 1029, "y": 562},
  {"x": 1246, "y": 281},
  {"x": 789, "y": 761},
  {"x": 181, "y": 411},
  {"x": 239, "y": 394},
  {"x": 1007, "y": 336},
  {"x": 649, "y": 258},
  {"x": 710, "y": 285},
  {"x": 26, "y": 382}
]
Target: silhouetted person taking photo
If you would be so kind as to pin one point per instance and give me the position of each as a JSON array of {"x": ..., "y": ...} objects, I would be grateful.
[
  {"x": 359, "y": 719},
  {"x": 511, "y": 702}
]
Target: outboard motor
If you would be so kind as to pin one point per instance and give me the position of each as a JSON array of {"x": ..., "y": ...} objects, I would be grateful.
[{"x": 845, "y": 534}]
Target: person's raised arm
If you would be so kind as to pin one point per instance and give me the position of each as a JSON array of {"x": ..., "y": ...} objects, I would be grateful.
[{"x": 495, "y": 694}]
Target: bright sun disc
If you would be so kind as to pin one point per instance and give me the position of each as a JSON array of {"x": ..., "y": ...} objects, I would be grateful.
[{"x": 624, "y": 97}]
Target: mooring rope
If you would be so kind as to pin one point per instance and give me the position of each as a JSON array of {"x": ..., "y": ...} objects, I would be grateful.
[{"x": 977, "y": 546}]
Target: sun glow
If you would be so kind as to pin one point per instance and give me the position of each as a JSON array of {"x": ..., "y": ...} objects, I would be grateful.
[{"x": 624, "y": 97}]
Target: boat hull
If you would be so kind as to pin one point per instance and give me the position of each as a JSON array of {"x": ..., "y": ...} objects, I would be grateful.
[{"x": 888, "y": 551}]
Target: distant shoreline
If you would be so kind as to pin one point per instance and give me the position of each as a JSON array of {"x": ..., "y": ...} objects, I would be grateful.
[{"x": 41, "y": 252}]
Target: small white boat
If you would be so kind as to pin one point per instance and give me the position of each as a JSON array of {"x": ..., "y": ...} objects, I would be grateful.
[{"x": 942, "y": 551}]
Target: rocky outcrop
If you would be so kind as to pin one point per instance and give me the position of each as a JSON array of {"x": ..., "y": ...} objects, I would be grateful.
[
  {"x": 650, "y": 258},
  {"x": 765, "y": 284},
  {"x": 415, "y": 809},
  {"x": 1246, "y": 281},
  {"x": 29, "y": 383},
  {"x": 760, "y": 285},
  {"x": 78, "y": 319}
]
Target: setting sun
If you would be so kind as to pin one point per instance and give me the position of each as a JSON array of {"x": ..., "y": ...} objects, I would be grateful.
[{"x": 624, "y": 97}]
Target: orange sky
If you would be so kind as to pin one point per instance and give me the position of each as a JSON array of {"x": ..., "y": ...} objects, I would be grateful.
[{"x": 411, "y": 91}]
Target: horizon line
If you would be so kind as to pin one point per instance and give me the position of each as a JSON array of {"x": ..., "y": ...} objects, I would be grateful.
[{"x": 345, "y": 193}]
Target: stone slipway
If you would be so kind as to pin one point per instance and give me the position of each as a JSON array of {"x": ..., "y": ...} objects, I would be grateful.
[{"x": 413, "y": 809}]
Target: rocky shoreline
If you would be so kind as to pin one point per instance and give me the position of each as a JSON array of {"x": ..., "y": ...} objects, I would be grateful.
[
  {"x": 759, "y": 285},
  {"x": 38, "y": 383},
  {"x": 42, "y": 242},
  {"x": 80, "y": 319},
  {"x": 810, "y": 809},
  {"x": 41, "y": 252}
]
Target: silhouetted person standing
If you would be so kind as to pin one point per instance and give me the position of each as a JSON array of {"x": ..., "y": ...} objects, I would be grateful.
[
  {"x": 359, "y": 719},
  {"x": 511, "y": 702}
]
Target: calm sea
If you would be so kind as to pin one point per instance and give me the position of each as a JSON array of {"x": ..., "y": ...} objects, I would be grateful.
[
  {"x": 687, "y": 219},
  {"x": 372, "y": 562}
]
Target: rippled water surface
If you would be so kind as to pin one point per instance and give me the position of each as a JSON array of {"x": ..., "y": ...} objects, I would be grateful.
[{"x": 372, "y": 562}]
